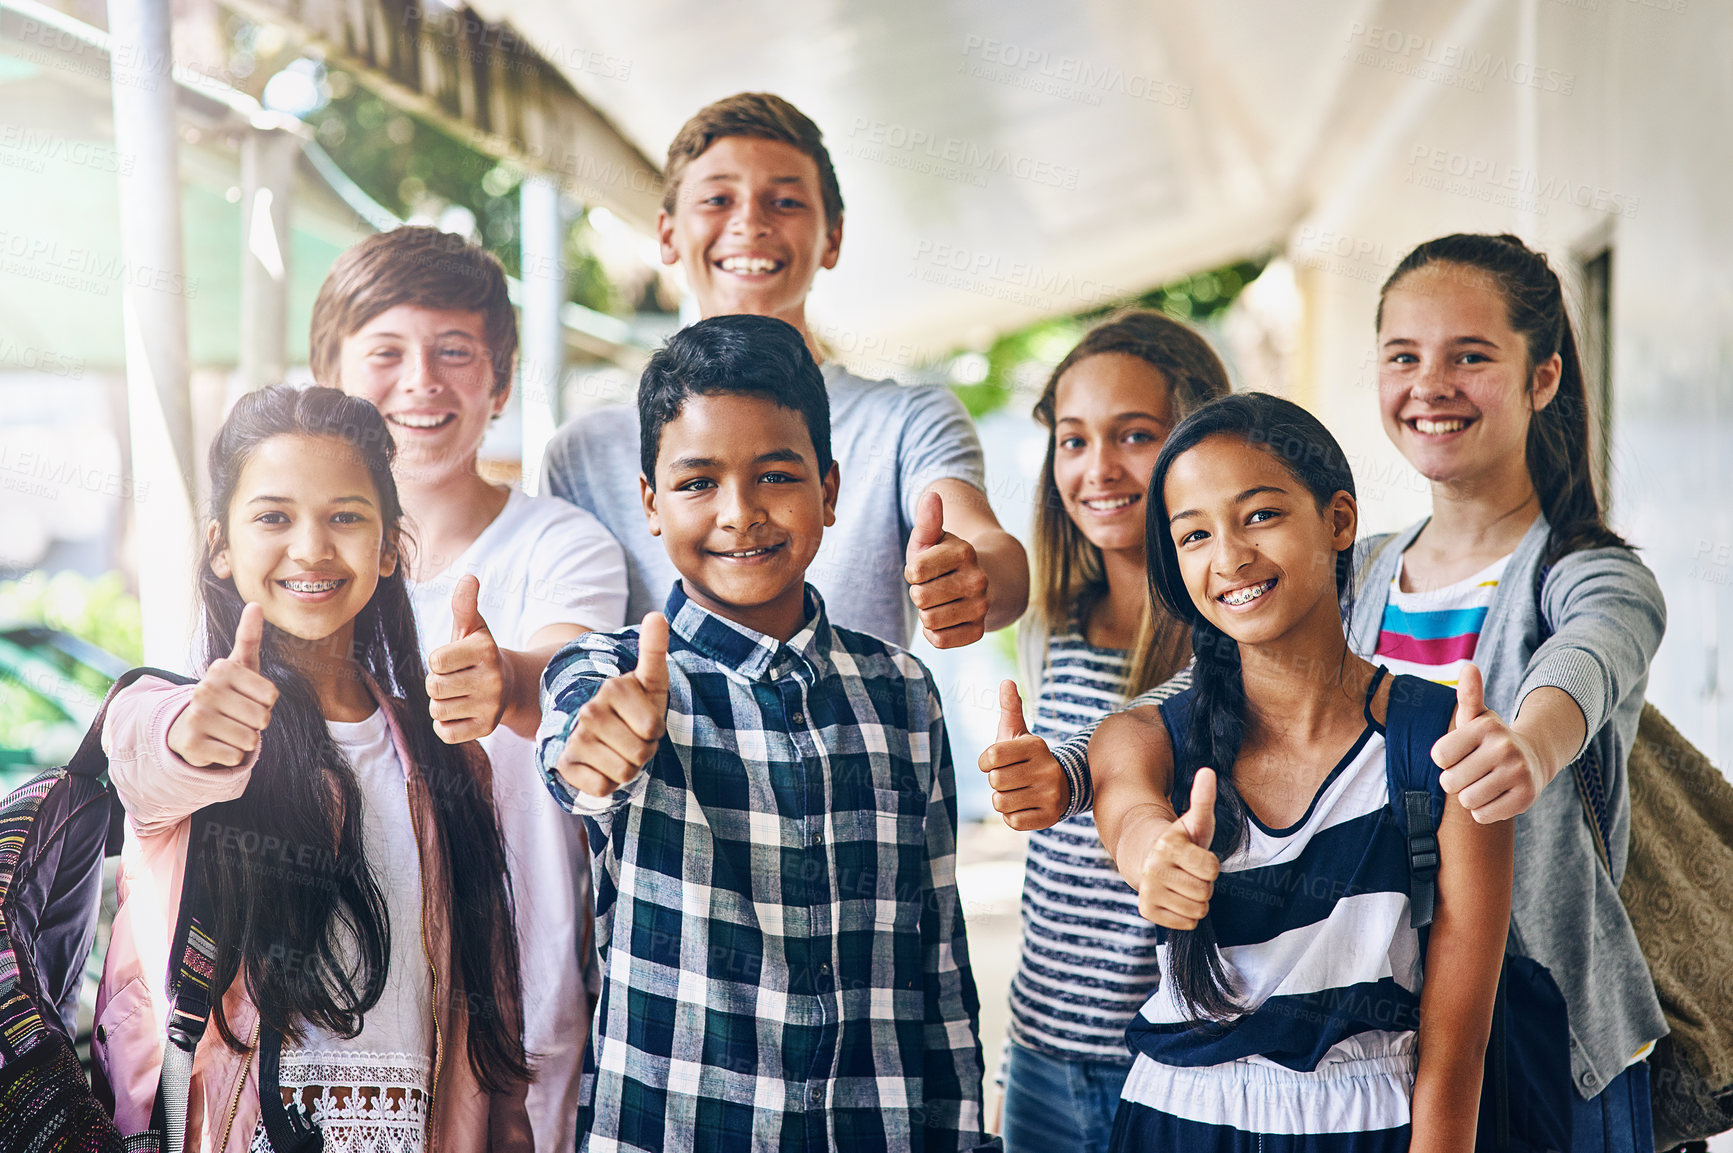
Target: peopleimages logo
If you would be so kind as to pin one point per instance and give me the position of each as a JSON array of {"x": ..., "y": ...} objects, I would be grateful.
[
  {"x": 1424, "y": 56},
  {"x": 1067, "y": 77}
]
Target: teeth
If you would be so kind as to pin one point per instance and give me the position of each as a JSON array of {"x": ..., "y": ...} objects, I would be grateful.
[
  {"x": 1110, "y": 503},
  {"x": 748, "y": 264},
  {"x": 749, "y": 552},
  {"x": 311, "y": 586},
  {"x": 1248, "y": 594},
  {"x": 418, "y": 421},
  {"x": 1439, "y": 427}
]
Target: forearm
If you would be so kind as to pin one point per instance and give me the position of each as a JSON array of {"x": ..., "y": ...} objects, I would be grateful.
[
  {"x": 1137, "y": 832},
  {"x": 521, "y": 671},
  {"x": 1003, "y": 559},
  {"x": 1446, "y": 1101},
  {"x": 1553, "y": 723}
]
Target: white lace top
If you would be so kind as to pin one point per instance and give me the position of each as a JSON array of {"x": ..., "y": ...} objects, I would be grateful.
[{"x": 369, "y": 1093}]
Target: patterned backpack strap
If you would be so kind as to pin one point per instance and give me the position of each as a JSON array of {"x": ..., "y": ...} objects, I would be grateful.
[{"x": 1419, "y": 713}]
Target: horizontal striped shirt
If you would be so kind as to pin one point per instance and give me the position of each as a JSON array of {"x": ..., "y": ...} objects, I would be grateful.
[
  {"x": 1088, "y": 957},
  {"x": 1312, "y": 924},
  {"x": 1430, "y": 633}
]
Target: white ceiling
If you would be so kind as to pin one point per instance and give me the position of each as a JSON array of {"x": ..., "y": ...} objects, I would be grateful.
[{"x": 1000, "y": 161}]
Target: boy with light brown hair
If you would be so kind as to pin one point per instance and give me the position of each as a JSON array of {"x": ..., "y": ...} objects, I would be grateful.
[{"x": 751, "y": 212}]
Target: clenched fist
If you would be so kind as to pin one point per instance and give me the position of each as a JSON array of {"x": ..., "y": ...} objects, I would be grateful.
[
  {"x": 618, "y": 729},
  {"x": 231, "y": 705}
]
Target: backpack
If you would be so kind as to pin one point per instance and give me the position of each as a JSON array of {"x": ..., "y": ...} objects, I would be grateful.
[
  {"x": 1678, "y": 892},
  {"x": 56, "y": 832},
  {"x": 1525, "y": 1085}
]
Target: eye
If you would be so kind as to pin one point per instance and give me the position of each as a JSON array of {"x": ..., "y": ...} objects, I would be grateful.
[
  {"x": 696, "y": 484},
  {"x": 1192, "y": 537},
  {"x": 1262, "y": 515},
  {"x": 1071, "y": 443},
  {"x": 457, "y": 354},
  {"x": 348, "y": 518},
  {"x": 1404, "y": 358},
  {"x": 779, "y": 478},
  {"x": 1140, "y": 436},
  {"x": 714, "y": 201},
  {"x": 384, "y": 354},
  {"x": 789, "y": 202},
  {"x": 271, "y": 517},
  {"x": 1476, "y": 358}
]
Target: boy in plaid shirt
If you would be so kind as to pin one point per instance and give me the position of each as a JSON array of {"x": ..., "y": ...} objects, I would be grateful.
[{"x": 770, "y": 804}]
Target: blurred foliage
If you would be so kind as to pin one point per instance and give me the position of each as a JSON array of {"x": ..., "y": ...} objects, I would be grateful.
[
  {"x": 1196, "y": 299},
  {"x": 98, "y": 610},
  {"x": 415, "y": 168}
]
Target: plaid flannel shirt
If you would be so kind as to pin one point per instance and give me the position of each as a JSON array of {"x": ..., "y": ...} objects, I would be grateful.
[{"x": 783, "y": 955}]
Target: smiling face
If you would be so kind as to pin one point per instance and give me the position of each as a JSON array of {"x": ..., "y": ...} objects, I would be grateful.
[
  {"x": 430, "y": 374},
  {"x": 1111, "y": 413},
  {"x": 1257, "y": 554},
  {"x": 749, "y": 229},
  {"x": 1453, "y": 377},
  {"x": 741, "y": 507},
  {"x": 304, "y": 537}
]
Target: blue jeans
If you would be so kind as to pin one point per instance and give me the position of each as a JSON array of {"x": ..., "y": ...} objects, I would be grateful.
[
  {"x": 1054, "y": 1106},
  {"x": 1617, "y": 1119}
]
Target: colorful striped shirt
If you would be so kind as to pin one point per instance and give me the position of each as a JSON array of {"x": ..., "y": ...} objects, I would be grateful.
[
  {"x": 1088, "y": 958},
  {"x": 1430, "y": 633}
]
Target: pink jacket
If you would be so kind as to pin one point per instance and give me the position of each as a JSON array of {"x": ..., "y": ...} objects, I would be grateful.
[{"x": 161, "y": 792}]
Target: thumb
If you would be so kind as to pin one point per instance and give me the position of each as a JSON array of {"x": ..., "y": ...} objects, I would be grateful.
[
  {"x": 1470, "y": 694},
  {"x": 249, "y": 635},
  {"x": 465, "y": 613},
  {"x": 929, "y": 523},
  {"x": 1010, "y": 712},
  {"x": 1200, "y": 819},
  {"x": 652, "y": 670}
]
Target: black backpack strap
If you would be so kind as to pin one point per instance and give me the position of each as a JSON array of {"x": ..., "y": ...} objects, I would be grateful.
[
  {"x": 195, "y": 954},
  {"x": 90, "y": 761},
  {"x": 1419, "y": 713}
]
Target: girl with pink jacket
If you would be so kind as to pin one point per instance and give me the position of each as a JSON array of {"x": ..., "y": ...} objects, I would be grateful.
[{"x": 365, "y": 962}]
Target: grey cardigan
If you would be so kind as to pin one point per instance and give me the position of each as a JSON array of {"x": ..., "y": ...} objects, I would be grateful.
[{"x": 1606, "y": 615}]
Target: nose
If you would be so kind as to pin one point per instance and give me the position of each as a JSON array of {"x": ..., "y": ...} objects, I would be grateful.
[
  {"x": 1102, "y": 463},
  {"x": 738, "y": 508},
  {"x": 418, "y": 373},
  {"x": 1432, "y": 382},
  {"x": 311, "y": 541},
  {"x": 1232, "y": 553},
  {"x": 748, "y": 218}
]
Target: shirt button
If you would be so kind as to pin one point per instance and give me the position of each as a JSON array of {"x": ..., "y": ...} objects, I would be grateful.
[
  {"x": 798, "y": 718},
  {"x": 824, "y": 970},
  {"x": 817, "y": 840},
  {"x": 818, "y": 1094}
]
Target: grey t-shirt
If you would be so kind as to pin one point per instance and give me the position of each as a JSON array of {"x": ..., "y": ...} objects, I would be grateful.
[{"x": 890, "y": 442}]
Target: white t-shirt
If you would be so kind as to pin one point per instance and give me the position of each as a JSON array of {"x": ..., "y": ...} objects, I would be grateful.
[
  {"x": 370, "y": 1091},
  {"x": 541, "y": 562}
]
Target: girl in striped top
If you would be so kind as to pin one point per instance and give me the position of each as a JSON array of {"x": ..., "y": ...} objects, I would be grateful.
[
  {"x": 1255, "y": 821},
  {"x": 1088, "y": 960}
]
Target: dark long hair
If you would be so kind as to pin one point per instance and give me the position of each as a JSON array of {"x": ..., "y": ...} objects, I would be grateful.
[
  {"x": 1068, "y": 568},
  {"x": 298, "y": 910},
  {"x": 1303, "y": 446},
  {"x": 1558, "y": 435}
]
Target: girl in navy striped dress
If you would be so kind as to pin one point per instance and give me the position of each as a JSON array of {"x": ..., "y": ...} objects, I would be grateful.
[
  {"x": 1256, "y": 823},
  {"x": 1092, "y": 640}
]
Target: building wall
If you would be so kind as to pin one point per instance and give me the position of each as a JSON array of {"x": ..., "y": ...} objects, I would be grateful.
[{"x": 1617, "y": 139}]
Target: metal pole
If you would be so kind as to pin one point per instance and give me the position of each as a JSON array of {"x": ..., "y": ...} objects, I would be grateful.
[
  {"x": 541, "y": 347},
  {"x": 153, "y": 308},
  {"x": 267, "y": 165}
]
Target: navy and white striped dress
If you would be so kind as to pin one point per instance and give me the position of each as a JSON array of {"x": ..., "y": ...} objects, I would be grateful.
[
  {"x": 1088, "y": 958},
  {"x": 1312, "y": 921}
]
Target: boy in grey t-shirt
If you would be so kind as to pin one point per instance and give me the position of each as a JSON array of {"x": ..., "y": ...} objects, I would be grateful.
[{"x": 752, "y": 211}]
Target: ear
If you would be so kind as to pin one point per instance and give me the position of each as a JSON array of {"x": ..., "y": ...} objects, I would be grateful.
[
  {"x": 1344, "y": 520},
  {"x": 1545, "y": 384},
  {"x": 665, "y": 236},
  {"x": 832, "y": 484},
  {"x": 832, "y": 245},
  {"x": 503, "y": 396},
  {"x": 387, "y": 558},
  {"x": 218, "y": 552},
  {"x": 647, "y": 494}
]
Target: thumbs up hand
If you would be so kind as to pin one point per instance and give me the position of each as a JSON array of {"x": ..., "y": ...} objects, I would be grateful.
[
  {"x": 619, "y": 729},
  {"x": 1491, "y": 768},
  {"x": 467, "y": 679},
  {"x": 1029, "y": 786},
  {"x": 1179, "y": 875},
  {"x": 946, "y": 580},
  {"x": 231, "y": 705}
]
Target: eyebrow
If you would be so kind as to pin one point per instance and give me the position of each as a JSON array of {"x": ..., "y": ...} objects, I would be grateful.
[
  {"x": 442, "y": 332},
  {"x": 1453, "y": 340},
  {"x": 774, "y": 456},
  {"x": 266, "y": 498},
  {"x": 1255, "y": 490},
  {"x": 1150, "y": 416},
  {"x": 719, "y": 176}
]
